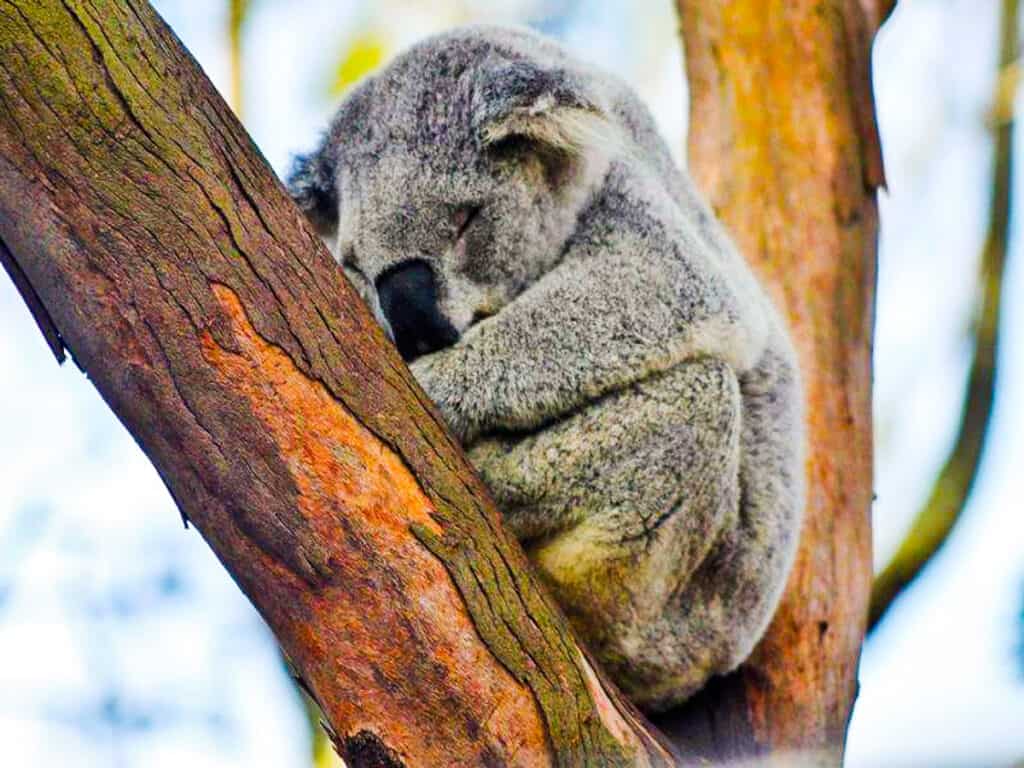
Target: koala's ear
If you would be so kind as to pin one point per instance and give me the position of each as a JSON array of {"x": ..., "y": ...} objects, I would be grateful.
[
  {"x": 312, "y": 186},
  {"x": 548, "y": 108}
]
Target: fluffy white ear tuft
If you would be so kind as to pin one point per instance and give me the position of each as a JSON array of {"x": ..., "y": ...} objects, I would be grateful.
[
  {"x": 560, "y": 129},
  {"x": 547, "y": 108}
]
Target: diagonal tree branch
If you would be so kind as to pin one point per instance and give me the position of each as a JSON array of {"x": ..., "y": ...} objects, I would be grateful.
[{"x": 216, "y": 326}]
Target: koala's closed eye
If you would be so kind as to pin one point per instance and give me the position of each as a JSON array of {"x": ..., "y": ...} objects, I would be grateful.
[{"x": 464, "y": 217}]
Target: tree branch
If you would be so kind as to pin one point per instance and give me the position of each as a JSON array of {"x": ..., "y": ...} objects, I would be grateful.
[
  {"x": 783, "y": 141},
  {"x": 287, "y": 429},
  {"x": 952, "y": 488}
]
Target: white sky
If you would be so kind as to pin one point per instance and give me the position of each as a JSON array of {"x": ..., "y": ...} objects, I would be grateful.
[{"x": 124, "y": 643}]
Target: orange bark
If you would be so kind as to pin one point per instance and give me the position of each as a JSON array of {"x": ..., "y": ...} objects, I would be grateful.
[{"x": 332, "y": 456}]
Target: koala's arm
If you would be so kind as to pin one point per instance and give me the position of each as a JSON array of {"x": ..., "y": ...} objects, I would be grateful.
[{"x": 595, "y": 324}]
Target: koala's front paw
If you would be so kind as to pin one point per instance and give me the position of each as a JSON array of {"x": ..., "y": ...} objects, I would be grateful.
[{"x": 440, "y": 378}]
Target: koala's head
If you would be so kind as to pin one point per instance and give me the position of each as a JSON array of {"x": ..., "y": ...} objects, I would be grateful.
[{"x": 451, "y": 181}]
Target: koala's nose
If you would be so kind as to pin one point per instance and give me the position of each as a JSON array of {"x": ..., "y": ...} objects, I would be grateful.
[{"x": 408, "y": 298}]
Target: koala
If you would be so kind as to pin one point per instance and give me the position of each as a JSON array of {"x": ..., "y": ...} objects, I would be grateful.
[{"x": 586, "y": 328}]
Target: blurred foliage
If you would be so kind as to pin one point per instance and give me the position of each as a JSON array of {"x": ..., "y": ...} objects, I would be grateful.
[
  {"x": 324, "y": 755},
  {"x": 952, "y": 488},
  {"x": 1006, "y": 93},
  {"x": 362, "y": 55},
  {"x": 322, "y": 749},
  {"x": 238, "y": 13}
]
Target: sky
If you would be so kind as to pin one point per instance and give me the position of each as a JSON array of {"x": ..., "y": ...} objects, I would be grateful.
[{"x": 123, "y": 642}]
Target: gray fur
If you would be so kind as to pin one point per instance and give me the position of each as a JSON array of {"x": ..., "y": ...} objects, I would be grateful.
[{"x": 621, "y": 381}]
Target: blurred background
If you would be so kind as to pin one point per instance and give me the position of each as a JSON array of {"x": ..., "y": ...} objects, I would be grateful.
[{"x": 124, "y": 643}]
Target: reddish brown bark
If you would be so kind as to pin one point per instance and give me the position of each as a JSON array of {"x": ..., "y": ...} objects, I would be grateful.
[
  {"x": 783, "y": 142},
  {"x": 155, "y": 244}
]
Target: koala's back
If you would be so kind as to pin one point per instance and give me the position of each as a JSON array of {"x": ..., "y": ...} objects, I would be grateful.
[
  {"x": 664, "y": 515},
  {"x": 679, "y": 497}
]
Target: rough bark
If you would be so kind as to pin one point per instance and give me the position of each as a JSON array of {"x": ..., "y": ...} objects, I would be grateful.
[
  {"x": 783, "y": 141},
  {"x": 157, "y": 246}
]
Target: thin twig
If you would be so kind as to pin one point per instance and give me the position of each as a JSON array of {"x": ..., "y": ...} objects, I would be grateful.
[{"x": 953, "y": 486}]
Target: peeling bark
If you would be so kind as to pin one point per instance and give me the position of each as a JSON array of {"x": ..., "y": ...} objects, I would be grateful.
[
  {"x": 783, "y": 141},
  {"x": 163, "y": 253}
]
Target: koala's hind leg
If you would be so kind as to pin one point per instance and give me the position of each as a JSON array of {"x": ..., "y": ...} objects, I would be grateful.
[
  {"x": 712, "y": 624},
  {"x": 618, "y": 505}
]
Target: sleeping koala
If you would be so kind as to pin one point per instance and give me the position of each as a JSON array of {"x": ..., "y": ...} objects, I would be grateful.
[{"x": 587, "y": 329}]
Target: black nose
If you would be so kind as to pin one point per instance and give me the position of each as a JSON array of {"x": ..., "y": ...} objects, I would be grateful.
[{"x": 408, "y": 297}]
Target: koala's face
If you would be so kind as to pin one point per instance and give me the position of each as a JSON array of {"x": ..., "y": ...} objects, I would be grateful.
[
  {"x": 436, "y": 247},
  {"x": 448, "y": 184}
]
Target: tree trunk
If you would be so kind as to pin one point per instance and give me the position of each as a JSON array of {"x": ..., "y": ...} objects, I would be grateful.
[
  {"x": 783, "y": 142},
  {"x": 153, "y": 242}
]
